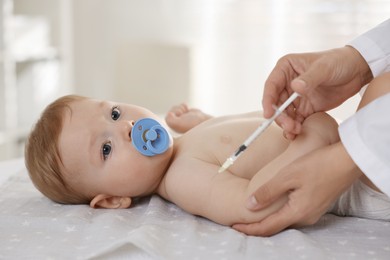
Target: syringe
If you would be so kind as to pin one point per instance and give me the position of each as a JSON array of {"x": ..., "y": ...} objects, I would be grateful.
[{"x": 229, "y": 161}]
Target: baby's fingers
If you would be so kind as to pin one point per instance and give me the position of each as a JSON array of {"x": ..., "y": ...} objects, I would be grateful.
[{"x": 178, "y": 110}]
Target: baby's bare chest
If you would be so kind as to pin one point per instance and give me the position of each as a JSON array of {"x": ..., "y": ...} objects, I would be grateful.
[{"x": 218, "y": 139}]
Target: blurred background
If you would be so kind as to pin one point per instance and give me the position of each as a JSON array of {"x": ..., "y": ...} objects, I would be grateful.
[{"x": 212, "y": 54}]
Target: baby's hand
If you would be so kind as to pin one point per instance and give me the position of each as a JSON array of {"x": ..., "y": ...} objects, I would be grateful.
[{"x": 180, "y": 118}]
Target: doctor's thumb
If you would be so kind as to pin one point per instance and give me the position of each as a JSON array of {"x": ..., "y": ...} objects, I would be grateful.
[
  {"x": 300, "y": 86},
  {"x": 261, "y": 198},
  {"x": 310, "y": 79}
]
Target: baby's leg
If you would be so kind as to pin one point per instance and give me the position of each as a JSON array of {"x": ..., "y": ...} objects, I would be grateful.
[
  {"x": 318, "y": 130},
  {"x": 181, "y": 118},
  {"x": 377, "y": 88}
]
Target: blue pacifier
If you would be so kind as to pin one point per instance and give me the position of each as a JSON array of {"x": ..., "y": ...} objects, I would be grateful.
[{"x": 149, "y": 137}]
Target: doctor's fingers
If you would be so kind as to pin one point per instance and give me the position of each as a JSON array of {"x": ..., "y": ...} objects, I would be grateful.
[
  {"x": 280, "y": 185},
  {"x": 291, "y": 126},
  {"x": 272, "y": 224},
  {"x": 298, "y": 211},
  {"x": 277, "y": 87}
]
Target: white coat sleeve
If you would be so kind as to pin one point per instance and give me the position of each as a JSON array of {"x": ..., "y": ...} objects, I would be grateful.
[
  {"x": 374, "y": 46},
  {"x": 366, "y": 137}
]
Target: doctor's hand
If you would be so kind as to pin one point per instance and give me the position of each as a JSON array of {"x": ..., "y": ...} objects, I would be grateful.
[
  {"x": 323, "y": 79},
  {"x": 312, "y": 183}
]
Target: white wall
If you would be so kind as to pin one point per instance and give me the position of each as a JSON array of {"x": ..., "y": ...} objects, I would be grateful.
[
  {"x": 35, "y": 56},
  {"x": 232, "y": 45},
  {"x": 152, "y": 75}
]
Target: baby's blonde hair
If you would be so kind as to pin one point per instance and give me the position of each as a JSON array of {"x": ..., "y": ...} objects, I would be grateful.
[{"x": 42, "y": 157}]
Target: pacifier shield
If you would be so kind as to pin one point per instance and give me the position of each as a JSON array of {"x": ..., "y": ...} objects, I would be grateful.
[{"x": 149, "y": 137}]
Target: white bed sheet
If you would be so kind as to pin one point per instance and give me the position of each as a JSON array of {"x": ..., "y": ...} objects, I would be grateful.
[{"x": 32, "y": 227}]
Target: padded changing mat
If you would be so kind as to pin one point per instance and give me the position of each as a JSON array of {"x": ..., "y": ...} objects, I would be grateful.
[{"x": 33, "y": 227}]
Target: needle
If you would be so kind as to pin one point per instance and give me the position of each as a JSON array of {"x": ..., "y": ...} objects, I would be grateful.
[{"x": 229, "y": 161}]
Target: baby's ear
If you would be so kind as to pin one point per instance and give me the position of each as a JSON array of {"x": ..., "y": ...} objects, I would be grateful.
[{"x": 110, "y": 202}]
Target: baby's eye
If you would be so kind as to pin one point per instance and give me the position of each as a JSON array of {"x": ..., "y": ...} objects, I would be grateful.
[
  {"x": 115, "y": 113},
  {"x": 106, "y": 150}
]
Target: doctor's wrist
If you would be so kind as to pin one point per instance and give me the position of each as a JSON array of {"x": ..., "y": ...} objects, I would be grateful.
[{"x": 363, "y": 67}]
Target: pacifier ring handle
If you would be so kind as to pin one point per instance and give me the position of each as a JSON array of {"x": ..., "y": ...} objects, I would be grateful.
[{"x": 149, "y": 137}]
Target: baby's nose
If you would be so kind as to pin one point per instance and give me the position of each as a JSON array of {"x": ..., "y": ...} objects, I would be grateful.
[{"x": 127, "y": 127}]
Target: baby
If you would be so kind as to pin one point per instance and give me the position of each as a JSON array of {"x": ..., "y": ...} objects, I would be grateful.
[{"x": 81, "y": 151}]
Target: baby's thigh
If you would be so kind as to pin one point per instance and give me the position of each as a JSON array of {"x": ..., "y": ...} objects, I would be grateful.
[
  {"x": 318, "y": 130},
  {"x": 369, "y": 183},
  {"x": 377, "y": 88},
  {"x": 323, "y": 126}
]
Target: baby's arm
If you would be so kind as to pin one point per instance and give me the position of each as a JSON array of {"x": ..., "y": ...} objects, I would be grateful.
[{"x": 181, "y": 118}]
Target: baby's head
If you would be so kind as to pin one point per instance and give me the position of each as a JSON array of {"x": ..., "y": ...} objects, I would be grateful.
[
  {"x": 80, "y": 152},
  {"x": 42, "y": 155}
]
